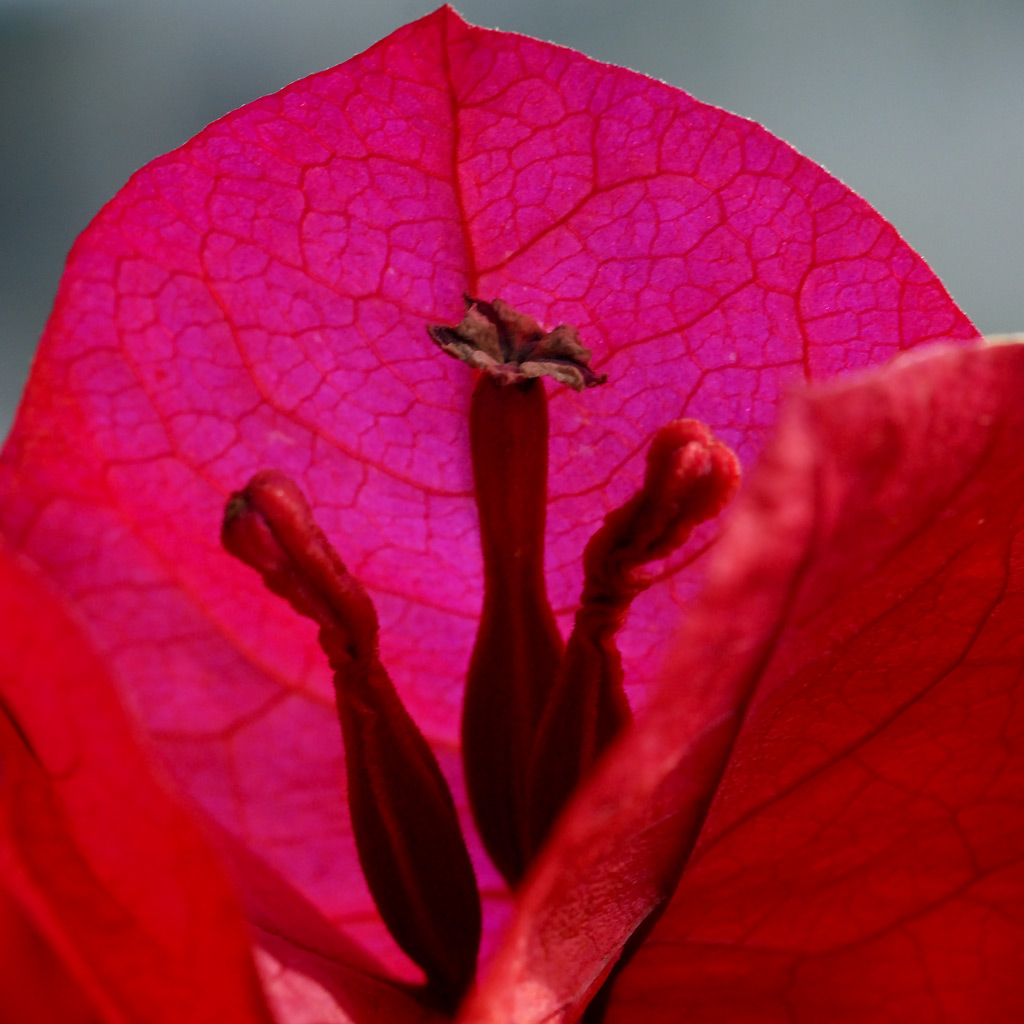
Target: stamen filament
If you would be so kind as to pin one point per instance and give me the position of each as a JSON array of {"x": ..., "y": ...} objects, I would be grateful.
[
  {"x": 404, "y": 820},
  {"x": 518, "y": 646},
  {"x": 690, "y": 477}
]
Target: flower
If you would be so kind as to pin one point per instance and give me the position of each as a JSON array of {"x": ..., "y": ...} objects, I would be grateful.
[{"x": 260, "y": 299}]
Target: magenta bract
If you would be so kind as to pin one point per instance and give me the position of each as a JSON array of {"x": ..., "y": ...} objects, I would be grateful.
[{"x": 258, "y": 299}]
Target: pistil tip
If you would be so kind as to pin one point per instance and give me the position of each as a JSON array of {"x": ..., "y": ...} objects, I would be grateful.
[{"x": 512, "y": 347}]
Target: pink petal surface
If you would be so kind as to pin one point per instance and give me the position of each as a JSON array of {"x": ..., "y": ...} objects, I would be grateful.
[
  {"x": 259, "y": 299},
  {"x": 846, "y": 690}
]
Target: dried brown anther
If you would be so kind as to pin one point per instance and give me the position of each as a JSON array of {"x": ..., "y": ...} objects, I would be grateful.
[{"x": 512, "y": 347}]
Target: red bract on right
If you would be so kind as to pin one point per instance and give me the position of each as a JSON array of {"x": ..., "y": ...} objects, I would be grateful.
[
  {"x": 835, "y": 752},
  {"x": 497, "y": 567}
]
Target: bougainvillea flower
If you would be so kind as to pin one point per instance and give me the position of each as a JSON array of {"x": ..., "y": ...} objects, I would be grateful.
[{"x": 259, "y": 301}]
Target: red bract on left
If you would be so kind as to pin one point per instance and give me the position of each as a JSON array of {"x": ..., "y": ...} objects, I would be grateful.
[{"x": 495, "y": 565}]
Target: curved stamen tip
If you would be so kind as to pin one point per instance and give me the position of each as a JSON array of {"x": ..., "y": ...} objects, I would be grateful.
[
  {"x": 690, "y": 478},
  {"x": 512, "y": 347},
  {"x": 269, "y": 526},
  {"x": 254, "y": 516},
  {"x": 404, "y": 820}
]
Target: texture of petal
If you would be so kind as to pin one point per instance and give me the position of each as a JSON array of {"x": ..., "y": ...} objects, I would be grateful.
[
  {"x": 258, "y": 299},
  {"x": 110, "y": 878},
  {"x": 864, "y": 856},
  {"x": 35, "y": 986},
  {"x": 846, "y": 691}
]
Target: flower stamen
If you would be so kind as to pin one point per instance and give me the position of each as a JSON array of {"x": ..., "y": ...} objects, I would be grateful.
[
  {"x": 511, "y": 347},
  {"x": 406, "y": 829},
  {"x": 690, "y": 477},
  {"x": 518, "y": 648}
]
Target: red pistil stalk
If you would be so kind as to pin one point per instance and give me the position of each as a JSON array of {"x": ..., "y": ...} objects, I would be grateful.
[
  {"x": 406, "y": 829},
  {"x": 518, "y": 647},
  {"x": 690, "y": 477}
]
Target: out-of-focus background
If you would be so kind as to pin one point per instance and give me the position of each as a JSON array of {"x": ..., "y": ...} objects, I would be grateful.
[{"x": 916, "y": 104}]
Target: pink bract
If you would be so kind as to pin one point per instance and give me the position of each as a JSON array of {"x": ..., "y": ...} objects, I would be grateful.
[{"x": 259, "y": 299}]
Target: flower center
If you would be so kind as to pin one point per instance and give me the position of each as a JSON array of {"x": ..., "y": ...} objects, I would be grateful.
[{"x": 537, "y": 712}]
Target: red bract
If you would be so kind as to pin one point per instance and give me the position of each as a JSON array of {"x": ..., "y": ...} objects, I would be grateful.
[
  {"x": 259, "y": 299},
  {"x": 118, "y": 881},
  {"x": 864, "y": 856},
  {"x": 844, "y": 694}
]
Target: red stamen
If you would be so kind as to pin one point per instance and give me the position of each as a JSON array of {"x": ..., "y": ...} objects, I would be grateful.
[
  {"x": 406, "y": 828},
  {"x": 518, "y": 646},
  {"x": 690, "y": 478}
]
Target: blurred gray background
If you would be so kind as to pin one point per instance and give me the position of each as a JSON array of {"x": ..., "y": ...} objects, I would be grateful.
[{"x": 916, "y": 104}]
